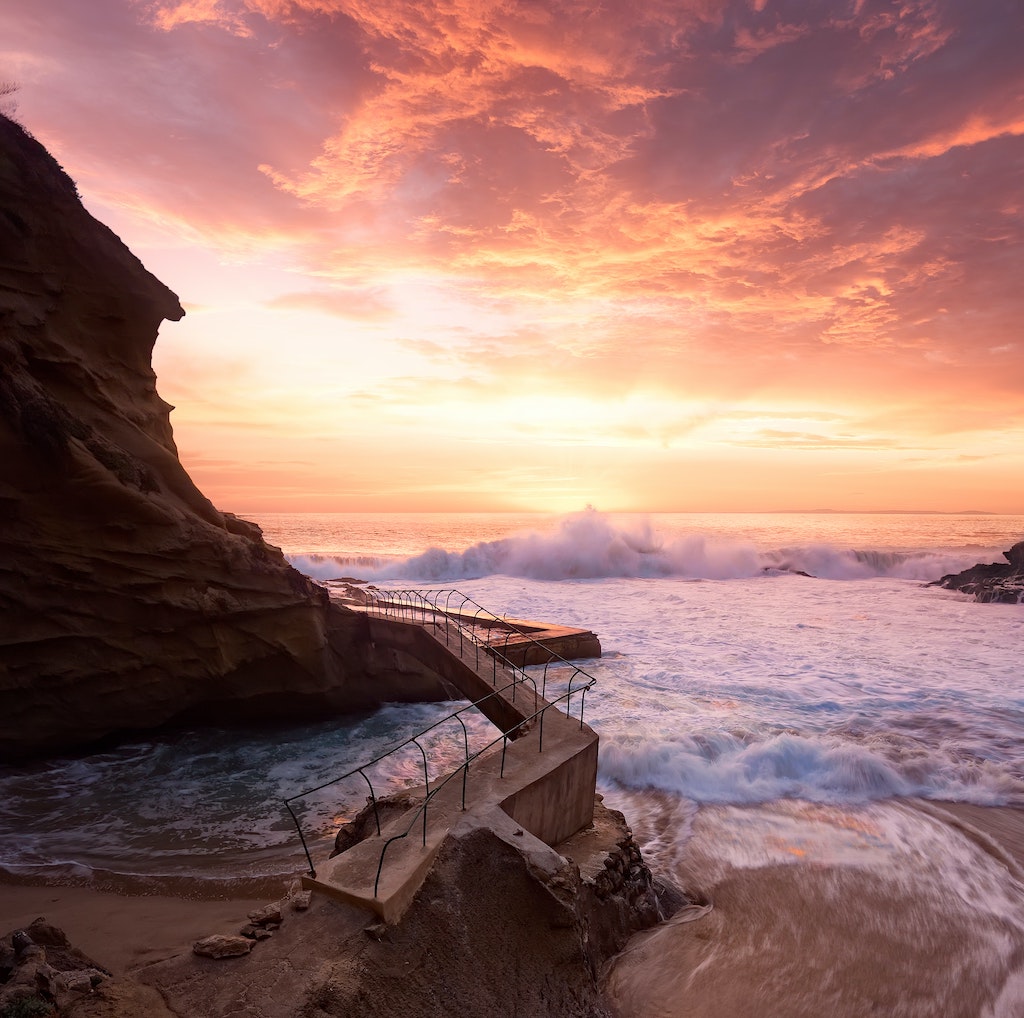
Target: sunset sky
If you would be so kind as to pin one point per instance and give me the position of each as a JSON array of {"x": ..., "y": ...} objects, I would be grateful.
[{"x": 650, "y": 255}]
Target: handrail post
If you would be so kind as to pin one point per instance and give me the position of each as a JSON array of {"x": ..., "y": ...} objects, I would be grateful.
[
  {"x": 417, "y": 607},
  {"x": 426, "y": 782},
  {"x": 476, "y": 642},
  {"x": 465, "y": 766},
  {"x": 373, "y": 799},
  {"x": 447, "y": 617},
  {"x": 302, "y": 838}
]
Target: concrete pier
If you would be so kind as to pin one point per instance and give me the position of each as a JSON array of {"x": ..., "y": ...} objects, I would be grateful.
[{"x": 543, "y": 776}]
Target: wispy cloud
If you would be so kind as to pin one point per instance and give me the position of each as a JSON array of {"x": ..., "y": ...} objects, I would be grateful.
[
  {"x": 369, "y": 304},
  {"x": 752, "y": 207}
]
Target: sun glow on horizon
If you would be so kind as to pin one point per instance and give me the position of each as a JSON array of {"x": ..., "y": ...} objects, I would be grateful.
[{"x": 694, "y": 257}]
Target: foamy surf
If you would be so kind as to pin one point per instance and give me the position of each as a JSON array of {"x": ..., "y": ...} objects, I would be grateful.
[
  {"x": 721, "y": 767},
  {"x": 593, "y": 545},
  {"x": 819, "y": 910}
]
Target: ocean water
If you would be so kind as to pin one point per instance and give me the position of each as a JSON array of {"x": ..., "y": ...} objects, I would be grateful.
[{"x": 752, "y": 663}]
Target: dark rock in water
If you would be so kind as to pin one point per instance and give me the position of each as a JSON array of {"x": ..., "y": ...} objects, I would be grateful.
[
  {"x": 994, "y": 581},
  {"x": 126, "y": 599}
]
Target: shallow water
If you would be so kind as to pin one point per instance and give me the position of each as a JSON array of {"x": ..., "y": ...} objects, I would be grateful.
[
  {"x": 725, "y": 680},
  {"x": 832, "y": 910}
]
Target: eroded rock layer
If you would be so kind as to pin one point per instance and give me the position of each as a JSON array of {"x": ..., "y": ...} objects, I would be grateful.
[{"x": 126, "y": 599}]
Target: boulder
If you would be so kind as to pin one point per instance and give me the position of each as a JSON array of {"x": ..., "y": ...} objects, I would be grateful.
[
  {"x": 301, "y": 900},
  {"x": 266, "y": 916},
  {"x": 40, "y": 970},
  {"x": 993, "y": 581},
  {"x": 222, "y": 945}
]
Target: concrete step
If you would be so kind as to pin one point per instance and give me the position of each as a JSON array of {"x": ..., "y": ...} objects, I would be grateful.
[
  {"x": 549, "y": 793},
  {"x": 544, "y": 778}
]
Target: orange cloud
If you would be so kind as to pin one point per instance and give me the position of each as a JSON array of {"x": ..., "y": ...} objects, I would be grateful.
[
  {"x": 368, "y": 304},
  {"x": 686, "y": 230}
]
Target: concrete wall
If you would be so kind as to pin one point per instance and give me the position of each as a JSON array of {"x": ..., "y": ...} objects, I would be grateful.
[
  {"x": 398, "y": 644},
  {"x": 561, "y": 802}
]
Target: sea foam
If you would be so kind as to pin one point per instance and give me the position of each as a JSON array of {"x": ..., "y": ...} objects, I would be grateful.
[
  {"x": 725, "y": 768},
  {"x": 594, "y": 545}
]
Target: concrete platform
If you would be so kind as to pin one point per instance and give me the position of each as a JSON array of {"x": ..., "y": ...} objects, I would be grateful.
[
  {"x": 527, "y": 642},
  {"x": 521, "y": 641},
  {"x": 543, "y": 777},
  {"x": 549, "y": 793}
]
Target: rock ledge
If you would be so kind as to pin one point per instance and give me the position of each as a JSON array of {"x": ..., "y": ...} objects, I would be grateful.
[{"x": 992, "y": 582}]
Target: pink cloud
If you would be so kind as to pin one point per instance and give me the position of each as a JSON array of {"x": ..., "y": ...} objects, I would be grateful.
[
  {"x": 801, "y": 201},
  {"x": 369, "y": 304}
]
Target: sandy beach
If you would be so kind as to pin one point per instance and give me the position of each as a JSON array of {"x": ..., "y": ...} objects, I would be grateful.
[{"x": 123, "y": 932}]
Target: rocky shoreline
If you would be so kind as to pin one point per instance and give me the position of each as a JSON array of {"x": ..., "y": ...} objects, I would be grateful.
[
  {"x": 992, "y": 582},
  {"x": 502, "y": 925}
]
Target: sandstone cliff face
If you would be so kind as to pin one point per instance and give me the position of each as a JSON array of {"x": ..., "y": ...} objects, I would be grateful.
[{"x": 126, "y": 599}]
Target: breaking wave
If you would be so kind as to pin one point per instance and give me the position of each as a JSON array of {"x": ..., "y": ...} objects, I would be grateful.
[
  {"x": 729, "y": 768},
  {"x": 590, "y": 545}
]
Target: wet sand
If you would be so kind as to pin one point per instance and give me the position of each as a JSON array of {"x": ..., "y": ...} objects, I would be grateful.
[
  {"x": 1002, "y": 824},
  {"x": 122, "y": 932},
  {"x": 900, "y": 909}
]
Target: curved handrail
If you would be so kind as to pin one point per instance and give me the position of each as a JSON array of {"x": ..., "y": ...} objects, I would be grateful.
[
  {"x": 422, "y": 808},
  {"x": 405, "y": 604},
  {"x": 361, "y": 769}
]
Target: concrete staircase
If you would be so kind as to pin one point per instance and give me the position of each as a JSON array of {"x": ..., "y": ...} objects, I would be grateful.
[{"x": 541, "y": 771}]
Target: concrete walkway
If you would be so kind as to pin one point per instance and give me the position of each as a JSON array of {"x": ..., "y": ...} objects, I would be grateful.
[{"x": 545, "y": 783}]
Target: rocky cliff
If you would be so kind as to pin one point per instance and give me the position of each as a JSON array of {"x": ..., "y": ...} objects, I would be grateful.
[
  {"x": 994, "y": 581},
  {"x": 126, "y": 599}
]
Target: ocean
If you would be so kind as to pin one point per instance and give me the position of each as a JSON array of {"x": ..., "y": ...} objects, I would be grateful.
[{"x": 787, "y": 688}]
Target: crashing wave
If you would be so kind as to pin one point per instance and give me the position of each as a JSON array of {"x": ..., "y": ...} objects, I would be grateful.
[{"x": 592, "y": 545}]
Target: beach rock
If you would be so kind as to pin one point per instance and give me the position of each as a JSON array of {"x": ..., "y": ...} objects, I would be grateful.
[
  {"x": 127, "y": 600},
  {"x": 992, "y": 582},
  {"x": 45, "y": 934},
  {"x": 39, "y": 968},
  {"x": 301, "y": 900},
  {"x": 266, "y": 916},
  {"x": 251, "y": 932},
  {"x": 222, "y": 945}
]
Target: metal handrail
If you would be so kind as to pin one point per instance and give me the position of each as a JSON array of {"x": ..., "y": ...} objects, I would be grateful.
[
  {"x": 382, "y": 606},
  {"x": 362, "y": 768},
  {"x": 405, "y": 607},
  {"x": 422, "y": 808}
]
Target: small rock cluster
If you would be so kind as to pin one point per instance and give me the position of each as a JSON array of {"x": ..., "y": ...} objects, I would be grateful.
[
  {"x": 261, "y": 925},
  {"x": 624, "y": 872},
  {"x": 993, "y": 582},
  {"x": 41, "y": 972}
]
